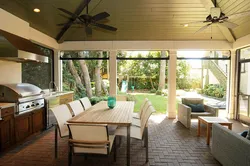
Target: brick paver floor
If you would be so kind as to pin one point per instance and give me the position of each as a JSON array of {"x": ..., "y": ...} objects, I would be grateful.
[{"x": 170, "y": 144}]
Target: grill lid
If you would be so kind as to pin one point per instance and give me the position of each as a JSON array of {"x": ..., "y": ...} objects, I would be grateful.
[{"x": 14, "y": 91}]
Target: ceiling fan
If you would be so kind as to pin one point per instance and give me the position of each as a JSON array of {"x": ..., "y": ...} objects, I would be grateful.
[
  {"x": 87, "y": 20},
  {"x": 216, "y": 16}
]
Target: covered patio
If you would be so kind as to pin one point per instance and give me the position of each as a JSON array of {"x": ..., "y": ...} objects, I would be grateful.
[{"x": 68, "y": 32}]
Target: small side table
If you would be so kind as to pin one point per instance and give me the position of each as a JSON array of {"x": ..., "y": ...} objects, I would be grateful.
[{"x": 208, "y": 120}]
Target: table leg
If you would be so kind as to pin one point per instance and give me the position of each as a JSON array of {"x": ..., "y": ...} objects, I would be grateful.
[
  {"x": 128, "y": 145},
  {"x": 208, "y": 133},
  {"x": 199, "y": 128},
  {"x": 230, "y": 126}
]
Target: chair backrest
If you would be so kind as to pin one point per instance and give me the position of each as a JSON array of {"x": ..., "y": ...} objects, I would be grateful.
[
  {"x": 89, "y": 138},
  {"x": 142, "y": 107},
  {"x": 145, "y": 108},
  {"x": 145, "y": 117},
  {"x": 62, "y": 115},
  {"x": 76, "y": 107},
  {"x": 192, "y": 101},
  {"x": 85, "y": 102}
]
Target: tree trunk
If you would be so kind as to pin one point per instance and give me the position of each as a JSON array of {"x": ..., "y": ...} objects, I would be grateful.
[
  {"x": 86, "y": 77},
  {"x": 98, "y": 79},
  {"x": 151, "y": 83},
  {"x": 162, "y": 72},
  {"x": 73, "y": 71}
]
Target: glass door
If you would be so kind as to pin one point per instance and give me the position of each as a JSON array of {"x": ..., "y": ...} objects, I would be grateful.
[{"x": 244, "y": 91}]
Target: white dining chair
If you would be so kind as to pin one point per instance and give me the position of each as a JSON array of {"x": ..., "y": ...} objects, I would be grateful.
[
  {"x": 76, "y": 107},
  {"x": 86, "y": 102},
  {"x": 138, "y": 132},
  {"x": 62, "y": 115},
  {"x": 90, "y": 139},
  {"x": 137, "y": 122},
  {"x": 137, "y": 115}
]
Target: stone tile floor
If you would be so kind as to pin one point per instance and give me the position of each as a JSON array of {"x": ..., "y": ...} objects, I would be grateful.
[{"x": 170, "y": 144}]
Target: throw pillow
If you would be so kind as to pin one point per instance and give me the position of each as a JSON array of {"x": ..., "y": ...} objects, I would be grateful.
[
  {"x": 244, "y": 133},
  {"x": 248, "y": 135},
  {"x": 196, "y": 107}
]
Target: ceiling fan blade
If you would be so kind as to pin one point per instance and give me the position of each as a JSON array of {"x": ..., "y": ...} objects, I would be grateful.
[
  {"x": 237, "y": 15},
  {"x": 88, "y": 30},
  {"x": 203, "y": 28},
  {"x": 100, "y": 16},
  {"x": 228, "y": 24},
  {"x": 103, "y": 26},
  {"x": 66, "y": 11}
]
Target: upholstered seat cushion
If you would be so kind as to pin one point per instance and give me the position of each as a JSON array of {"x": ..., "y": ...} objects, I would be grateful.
[{"x": 194, "y": 115}]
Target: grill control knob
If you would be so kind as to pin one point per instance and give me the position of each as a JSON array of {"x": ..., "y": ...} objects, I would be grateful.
[
  {"x": 27, "y": 106},
  {"x": 37, "y": 103},
  {"x": 32, "y": 105}
]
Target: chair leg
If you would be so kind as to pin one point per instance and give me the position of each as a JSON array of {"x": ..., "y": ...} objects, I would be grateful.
[
  {"x": 146, "y": 142},
  {"x": 56, "y": 141},
  {"x": 115, "y": 150},
  {"x": 70, "y": 156}
]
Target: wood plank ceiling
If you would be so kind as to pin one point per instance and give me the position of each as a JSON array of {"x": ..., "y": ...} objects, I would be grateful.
[{"x": 135, "y": 19}]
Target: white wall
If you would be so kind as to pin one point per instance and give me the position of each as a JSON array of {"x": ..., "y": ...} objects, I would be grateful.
[{"x": 10, "y": 72}]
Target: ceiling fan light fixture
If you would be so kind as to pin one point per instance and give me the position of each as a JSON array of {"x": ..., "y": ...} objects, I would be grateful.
[{"x": 36, "y": 10}]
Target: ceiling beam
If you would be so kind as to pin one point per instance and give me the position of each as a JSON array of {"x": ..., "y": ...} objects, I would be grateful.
[
  {"x": 78, "y": 11},
  {"x": 225, "y": 31}
]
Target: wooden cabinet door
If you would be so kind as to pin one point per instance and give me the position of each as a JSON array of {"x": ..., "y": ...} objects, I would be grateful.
[
  {"x": 23, "y": 126},
  {"x": 38, "y": 120},
  {"x": 7, "y": 132}
]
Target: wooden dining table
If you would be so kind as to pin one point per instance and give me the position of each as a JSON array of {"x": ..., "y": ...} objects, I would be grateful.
[{"x": 120, "y": 115}]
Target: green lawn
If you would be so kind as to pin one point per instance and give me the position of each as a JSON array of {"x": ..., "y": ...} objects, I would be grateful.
[{"x": 159, "y": 102}]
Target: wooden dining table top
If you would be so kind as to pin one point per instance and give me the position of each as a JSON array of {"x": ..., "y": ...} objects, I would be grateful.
[{"x": 99, "y": 113}]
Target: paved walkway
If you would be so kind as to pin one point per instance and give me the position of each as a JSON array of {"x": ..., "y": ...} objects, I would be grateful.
[{"x": 170, "y": 144}]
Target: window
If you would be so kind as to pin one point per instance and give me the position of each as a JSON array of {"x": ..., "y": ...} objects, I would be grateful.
[
  {"x": 86, "y": 73},
  {"x": 39, "y": 74}
]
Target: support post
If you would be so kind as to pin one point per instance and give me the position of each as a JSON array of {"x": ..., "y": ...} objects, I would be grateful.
[
  {"x": 231, "y": 99},
  {"x": 113, "y": 73},
  {"x": 172, "y": 84},
  {"x": 58, "y": 70}
]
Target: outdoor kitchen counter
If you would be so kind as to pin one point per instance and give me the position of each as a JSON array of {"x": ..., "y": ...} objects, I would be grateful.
[
  {"x": 56, "y": 94},
  {"x": 5, "y": 105}
]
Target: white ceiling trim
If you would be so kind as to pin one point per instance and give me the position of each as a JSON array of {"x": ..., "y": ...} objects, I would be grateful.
[{"x": 146, "y": 45}]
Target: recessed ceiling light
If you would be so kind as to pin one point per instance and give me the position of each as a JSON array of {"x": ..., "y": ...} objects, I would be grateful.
[
  {"x": 185, "y": 25},
  {"x": 36, "y": 10}
]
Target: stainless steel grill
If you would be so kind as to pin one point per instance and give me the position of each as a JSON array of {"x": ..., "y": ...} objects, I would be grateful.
[{"x": 27, "y": 97}]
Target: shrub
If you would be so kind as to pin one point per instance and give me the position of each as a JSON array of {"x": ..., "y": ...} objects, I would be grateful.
[
  {"x": 165, "y": 92},
  {"x": 96, "y": 99},
  {"x": 214, "y": 90},
  {"x": 152, "y": 90},
  {"x": 158, "y": 92}
]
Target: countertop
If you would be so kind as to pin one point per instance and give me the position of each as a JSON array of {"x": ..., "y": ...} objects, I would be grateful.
[
  {"x": 5, "y": 105},
  {"x": 55, "y": 94}
]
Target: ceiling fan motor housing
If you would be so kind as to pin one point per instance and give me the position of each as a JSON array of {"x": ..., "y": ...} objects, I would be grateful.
[{"x": 215, "y": 12}]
